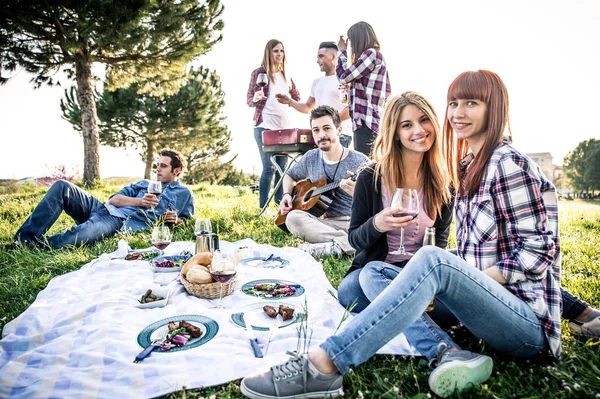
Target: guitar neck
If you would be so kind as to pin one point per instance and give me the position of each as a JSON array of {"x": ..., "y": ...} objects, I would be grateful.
[{"x": 325, "y": 188}]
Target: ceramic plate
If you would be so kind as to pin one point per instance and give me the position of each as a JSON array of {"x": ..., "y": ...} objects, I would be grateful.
[
  {"x": 256, "y": 316},
  {"x": 264, "y": 295},
  {"x": 160, "y": 329},
  {"x": 149, "y": 253},
  {"x": 270, "y": 264},
  {"x": 173, "y": 258}
]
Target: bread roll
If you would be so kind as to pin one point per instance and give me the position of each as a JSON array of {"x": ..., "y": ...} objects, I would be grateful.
[
  {"x": 203, "y": 258},
  {"x": 199, "y": 276}
]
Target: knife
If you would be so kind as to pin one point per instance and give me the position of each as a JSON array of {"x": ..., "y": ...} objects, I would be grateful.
[
  {"x": 272, "y": 329},
  {"x": 146, "y": 352},
  {"x": 253, "y": 340}
]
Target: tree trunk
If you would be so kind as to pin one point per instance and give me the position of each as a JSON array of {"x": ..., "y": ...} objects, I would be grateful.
[
  {"x": 149, "y": 158},
  {"x": 89, "y": 121}
]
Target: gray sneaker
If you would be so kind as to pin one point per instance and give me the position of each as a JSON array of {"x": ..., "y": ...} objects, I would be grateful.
[
  {"x": 457, "y": 370},
  {"x": 296, "y": 378},
  {"x": 590, "y": 329}
]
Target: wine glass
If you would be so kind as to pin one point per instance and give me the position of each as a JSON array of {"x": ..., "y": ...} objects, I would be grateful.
[
  {"x": 407, "y": 199},
  {"x": 154, "y": 187},
  {"x": 202, "y": 226},
  {"x": 262, "y": 80},
  {"x": 222, "y": 271},
  {"x": 161, "y": 237}
]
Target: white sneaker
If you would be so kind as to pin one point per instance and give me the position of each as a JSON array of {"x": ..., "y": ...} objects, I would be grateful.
[{"x": 322, "y": 249}]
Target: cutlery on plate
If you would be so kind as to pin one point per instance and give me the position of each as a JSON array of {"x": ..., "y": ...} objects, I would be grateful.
[
  {"x": 253, "y": 339},
  {"x": 146, "y": 352},
  {"x": 272, "y": 329}
]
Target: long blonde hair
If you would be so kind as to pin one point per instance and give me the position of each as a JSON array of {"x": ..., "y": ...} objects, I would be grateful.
[
  {"x": 387, "y": 154},
  {"x": 268, "y": 61}
]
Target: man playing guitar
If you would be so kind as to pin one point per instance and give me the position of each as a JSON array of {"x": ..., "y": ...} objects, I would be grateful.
[{"x": 327, "y": 234}]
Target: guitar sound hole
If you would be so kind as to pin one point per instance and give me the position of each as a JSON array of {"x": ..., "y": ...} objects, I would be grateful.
[{"x": 307, "y": 196}]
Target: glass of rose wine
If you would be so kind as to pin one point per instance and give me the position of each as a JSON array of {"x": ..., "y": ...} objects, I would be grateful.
[
  {"x": 222, "y": 271},
  {"x": 154, "y": 187},
  {"x": 407, "y": 199},
  {"x": 161, "y": 237}
]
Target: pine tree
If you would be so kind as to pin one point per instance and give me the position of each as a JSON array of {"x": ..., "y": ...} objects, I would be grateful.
[
  {"x": 144, "y": 42},
  {"x": 190, "y": 120}
]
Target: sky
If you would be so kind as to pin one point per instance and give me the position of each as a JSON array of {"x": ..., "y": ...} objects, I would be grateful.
[{"x": 546, "y": 51}]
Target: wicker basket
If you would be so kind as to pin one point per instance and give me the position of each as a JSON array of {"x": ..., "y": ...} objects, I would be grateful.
[{"x": 208, "y": 291}]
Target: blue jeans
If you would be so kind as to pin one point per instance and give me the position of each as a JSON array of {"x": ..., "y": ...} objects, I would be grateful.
[
  {"x": 486, "y": 308},
  {"x": 94, "y": 222},
  {"x": 365, "y": 284},
  {"x": 268, "y": 170}
]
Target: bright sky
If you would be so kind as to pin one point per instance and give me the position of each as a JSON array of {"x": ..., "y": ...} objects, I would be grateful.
[{"x": 546, "y": 51}]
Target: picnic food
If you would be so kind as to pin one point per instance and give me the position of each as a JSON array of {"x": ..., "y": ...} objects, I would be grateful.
[
  {"x": 275, "y": 290},
  {"x": 180, "y": 333},
  {"x": 141, "y": 255},
  {"x": 199, "y": 276},
  {"x": 202, "y": 258},
  {"x": 133, "y": 256},
  {"x": 286, "y": 312},
  {"x": 270, "y": 311},
  {"x": 150, "y": 297}
]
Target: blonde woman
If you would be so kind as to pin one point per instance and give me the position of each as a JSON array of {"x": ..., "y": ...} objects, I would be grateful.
[{"x": 269, "y": 113}]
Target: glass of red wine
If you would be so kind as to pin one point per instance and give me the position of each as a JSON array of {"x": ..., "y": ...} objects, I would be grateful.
[
  {"x": 222, "y": 271},
  {"x": 161, "y": 237},
  {"x": 262, "y": 80},
  {"x": 407, "y": 199},
  {"x": 154, "y": 187}
]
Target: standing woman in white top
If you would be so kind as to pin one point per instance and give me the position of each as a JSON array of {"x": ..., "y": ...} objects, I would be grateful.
[{"x": 270, "y": 114}]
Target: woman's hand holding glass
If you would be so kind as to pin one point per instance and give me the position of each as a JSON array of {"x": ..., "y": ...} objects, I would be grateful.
[{"x": 385, "y": 220}]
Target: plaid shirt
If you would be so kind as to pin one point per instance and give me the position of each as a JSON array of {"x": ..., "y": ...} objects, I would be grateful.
[
  {"x": 370, "y": 87},
  {"x": 253, "y": 88},
  {"x": 512, "y": 223}
]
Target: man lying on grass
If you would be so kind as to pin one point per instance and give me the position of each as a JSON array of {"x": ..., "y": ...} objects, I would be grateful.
[{"x": 131, "y": 209}]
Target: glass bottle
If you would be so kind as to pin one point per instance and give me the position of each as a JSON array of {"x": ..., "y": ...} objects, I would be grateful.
[{"x": 429, "y": 239}]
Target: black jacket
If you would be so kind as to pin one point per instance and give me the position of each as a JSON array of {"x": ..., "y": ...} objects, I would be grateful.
[{"x": 369, "y": 243}]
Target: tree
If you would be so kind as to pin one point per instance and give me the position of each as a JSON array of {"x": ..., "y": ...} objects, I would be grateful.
[
  {"x": 582, "y": 164},
  {"x": 144, "y": 42},
  {"x": 190, "y": 120}
]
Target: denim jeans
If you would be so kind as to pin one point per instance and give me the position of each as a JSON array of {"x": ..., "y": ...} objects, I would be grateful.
[
  {"x": 572, "y": 305},
  {"x": 268, "y": 170},
  {"x": 507, "y": 324},
  {"x": 94, "y": 222},
  {"x": 365, "y": 284},
  {"x": 345, "y": 140},
  {"x": 363, "y": 140}
]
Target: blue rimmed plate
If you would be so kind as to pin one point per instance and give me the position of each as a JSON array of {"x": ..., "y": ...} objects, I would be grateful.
[
  {"x": 256, "y": 316},
  {"x": 269, "y": 264},
  {"x": 159, "y": 329},
  {"x": 181, "y": 259},
  {"x": 147, "y": 253},
  {"x": 248, "y": 289}
]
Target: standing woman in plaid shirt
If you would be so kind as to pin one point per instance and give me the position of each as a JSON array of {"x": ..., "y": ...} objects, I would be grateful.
[
  {"x": 369, "y": 83},
  {"x": 503, "y": 285},
  {"x": 269, "y": 113}
]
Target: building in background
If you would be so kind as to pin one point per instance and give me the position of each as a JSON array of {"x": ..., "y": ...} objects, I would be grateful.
[{"x": 544, "y": 161}]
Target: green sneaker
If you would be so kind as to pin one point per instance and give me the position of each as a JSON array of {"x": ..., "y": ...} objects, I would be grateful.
[
  {"x": 457, "y": 370},
  {"x": 296, "y": 378}
]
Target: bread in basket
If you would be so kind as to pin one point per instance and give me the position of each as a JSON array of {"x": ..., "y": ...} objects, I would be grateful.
[{"x": 197, "y": 280}]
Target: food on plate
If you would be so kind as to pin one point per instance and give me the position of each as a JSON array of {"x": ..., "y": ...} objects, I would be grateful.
[
  {"x": 150, "y": 297},
  {"x": 286, "y": 312},
  {"x": 169, "y": 263},
  {"x": 133, "y": 256},
  {"x": 141, "y": 255},
  {"x": 266, "y": 290},
  {"x": 180, "y": 333},
  {"x": 199, "y": 276},
  {"x": 270, "y": 311},
  {"x": 202, "y": 258}
]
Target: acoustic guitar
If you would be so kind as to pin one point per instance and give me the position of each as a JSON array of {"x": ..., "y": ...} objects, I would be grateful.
[{"x": 309, "y": 197}]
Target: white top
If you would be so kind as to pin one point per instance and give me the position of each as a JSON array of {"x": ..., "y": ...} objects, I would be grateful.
[
  {"x": 325, "y": 91},
  {"x": 275, "y": 115}
]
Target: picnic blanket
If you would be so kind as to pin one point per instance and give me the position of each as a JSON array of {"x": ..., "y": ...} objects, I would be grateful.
[{"x": 79, "y": 337}]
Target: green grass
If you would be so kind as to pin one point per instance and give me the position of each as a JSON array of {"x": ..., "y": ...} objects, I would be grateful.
[{"x": 23, "y": 274}]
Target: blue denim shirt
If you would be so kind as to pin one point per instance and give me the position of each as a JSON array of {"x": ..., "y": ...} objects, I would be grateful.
[{"x": 174, "y": 197}]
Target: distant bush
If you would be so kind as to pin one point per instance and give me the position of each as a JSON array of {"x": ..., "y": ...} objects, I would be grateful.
[
  {"x": 238, "y": 178},
  {"x": 60, "y": 172}
]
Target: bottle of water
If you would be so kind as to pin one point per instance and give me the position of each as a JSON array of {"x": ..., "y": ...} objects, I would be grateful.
[{"x": 429, "y": 238}]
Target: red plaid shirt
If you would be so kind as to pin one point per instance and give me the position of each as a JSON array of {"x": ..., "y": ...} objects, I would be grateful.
[
  {"x": 512, "y": 223},
  {"x": 370, "y": 87},
  {"x": 253, "y": 88}
]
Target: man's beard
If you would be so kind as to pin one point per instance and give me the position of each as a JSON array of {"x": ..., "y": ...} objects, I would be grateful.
[{"x": 327, "y": 147}]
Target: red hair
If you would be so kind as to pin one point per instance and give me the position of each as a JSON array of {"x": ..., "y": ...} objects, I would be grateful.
[{"x": 484, "y": 86}]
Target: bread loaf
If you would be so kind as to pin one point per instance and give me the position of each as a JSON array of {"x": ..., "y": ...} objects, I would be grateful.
[
  {"x": 199, "y": 276},
  {"x": 203, "y": 259}
]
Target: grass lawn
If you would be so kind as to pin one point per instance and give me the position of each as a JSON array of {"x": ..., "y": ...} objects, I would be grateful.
[{"x": 233, "y": 213}]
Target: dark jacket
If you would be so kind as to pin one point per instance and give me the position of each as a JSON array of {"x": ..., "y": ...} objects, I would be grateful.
[{"x": 369, "y": 243}]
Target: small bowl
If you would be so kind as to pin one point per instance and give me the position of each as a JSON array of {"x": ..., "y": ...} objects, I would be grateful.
[{"x": 165, "y": 292}]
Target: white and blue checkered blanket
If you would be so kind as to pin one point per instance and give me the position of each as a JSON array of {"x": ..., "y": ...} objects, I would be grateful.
[{"x": 79, "y": 338}]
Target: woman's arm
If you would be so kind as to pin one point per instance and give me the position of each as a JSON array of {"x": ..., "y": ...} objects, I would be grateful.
[
  {"x": 294, "y": 91},
  {"x": 362, "y": 67},
  {"x": 362, "y": 233},
  {"x": 253, "y": 87},
  {"x": 518, "y": 202}
]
